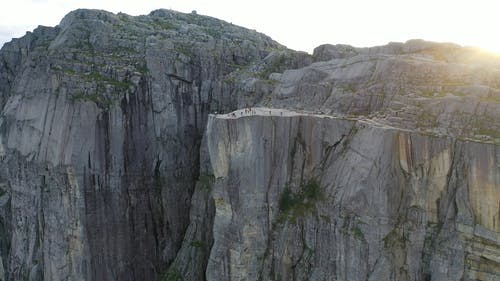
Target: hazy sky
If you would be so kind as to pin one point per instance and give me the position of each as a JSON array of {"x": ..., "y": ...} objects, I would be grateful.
[{"x": 300, "y": 25}]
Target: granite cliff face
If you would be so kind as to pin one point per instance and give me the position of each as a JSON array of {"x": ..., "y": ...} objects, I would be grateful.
[
  {"x": 311, "y": 197},
  {"x": 373, "y": 164},
  {"x": 102, "y": 119}
]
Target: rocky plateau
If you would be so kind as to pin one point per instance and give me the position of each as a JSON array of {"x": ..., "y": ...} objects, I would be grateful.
[{"x": 179, "y": 147}]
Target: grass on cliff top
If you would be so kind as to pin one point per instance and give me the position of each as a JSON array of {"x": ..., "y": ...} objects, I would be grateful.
[{"x": 294, "y": 205}]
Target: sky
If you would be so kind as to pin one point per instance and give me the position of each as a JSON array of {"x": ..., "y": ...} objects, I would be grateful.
[{"x": 299, "y": 25}]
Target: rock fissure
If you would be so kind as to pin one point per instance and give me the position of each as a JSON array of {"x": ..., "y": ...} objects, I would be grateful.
[{"x": 118, "y": 162}]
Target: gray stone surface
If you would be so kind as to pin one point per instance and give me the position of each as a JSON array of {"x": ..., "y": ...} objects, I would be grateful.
[
  {"x": 311, "y": 197},
  {"x": 355, "y": 164},
  {"x": 102, "y": 120},
  {"x": 433, "y": 88}
]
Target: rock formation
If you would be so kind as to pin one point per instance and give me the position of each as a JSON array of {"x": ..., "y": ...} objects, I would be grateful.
[
  {"x": 122, "y": 156},
  {"x": 312, "y": 197}
]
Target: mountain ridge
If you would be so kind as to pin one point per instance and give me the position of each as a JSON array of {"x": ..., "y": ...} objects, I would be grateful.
[{"x": 141, "y": 148}]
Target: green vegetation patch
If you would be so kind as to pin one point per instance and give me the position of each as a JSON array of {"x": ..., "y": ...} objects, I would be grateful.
[
  {"x": 277, "y": 65},
  {"x": 427, "y": 120},
  {"x": 83, "y": 45},
  {"x": 395, "y": 238},
  {"x": 489, "y": 132},
  {"x": 98, "y": 99},
  {"x": 143, "y": 68},
  {"x": 184, "y": 49},
  {"x": 214, "y": 33},
  {"x": 164, "y": 25},
  {"x": 351, "y": 227},
  {"x": 433, "y": 94},
  {"x": 356, "y": 231},
  {"x": 97, "y": 77},
  {"x": 173, "y": 274},
  {"x": 486, "y": 126},
  {"x": 206, "y": 180},
  {"x": 491, "y": 99},
  {"x": 349, "y": 88},
  {"x": 198, "y": 244},
  {"x": 294, "y": 205}
]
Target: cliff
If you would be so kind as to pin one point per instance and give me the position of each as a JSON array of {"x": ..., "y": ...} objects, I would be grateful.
[
  {"x": 102, "y": 119},
  {"x": 311, "y": 197},
  {"x": 122, "y": 156}
]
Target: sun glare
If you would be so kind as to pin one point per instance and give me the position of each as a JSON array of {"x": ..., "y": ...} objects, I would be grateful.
[
  {"x": 360, "y": 23},
  {"x": 489, "y": 46}
]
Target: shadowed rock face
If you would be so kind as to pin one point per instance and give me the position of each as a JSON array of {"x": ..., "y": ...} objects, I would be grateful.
[
  {"x": 109, "y": 171},
  {"x": 101, "y": 126}
]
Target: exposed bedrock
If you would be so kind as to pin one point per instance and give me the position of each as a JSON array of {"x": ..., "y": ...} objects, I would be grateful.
[
  {"x": 309, "y": 197},
  {"x": 122, "y": 158},
  {"x": 100, "y": 132}
]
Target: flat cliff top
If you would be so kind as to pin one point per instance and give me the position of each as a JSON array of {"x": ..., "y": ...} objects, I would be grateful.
[{"x": 287, "y": 113}]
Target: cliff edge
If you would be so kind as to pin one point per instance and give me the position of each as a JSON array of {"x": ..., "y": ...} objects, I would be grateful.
[{"x": 176, "y": 146}]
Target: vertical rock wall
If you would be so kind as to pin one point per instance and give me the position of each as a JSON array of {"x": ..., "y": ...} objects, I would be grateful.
[
  {"x": 315, "y": 198},
  {"x": 100, "y": 132}
]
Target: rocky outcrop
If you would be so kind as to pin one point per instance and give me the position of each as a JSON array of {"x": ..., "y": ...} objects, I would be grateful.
[
  {"x": 359, "y": 163},
  {"x": 101, "y": 126},
  {"x": 311, "y": 197},
  {"x": 438, "y": 89}
]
